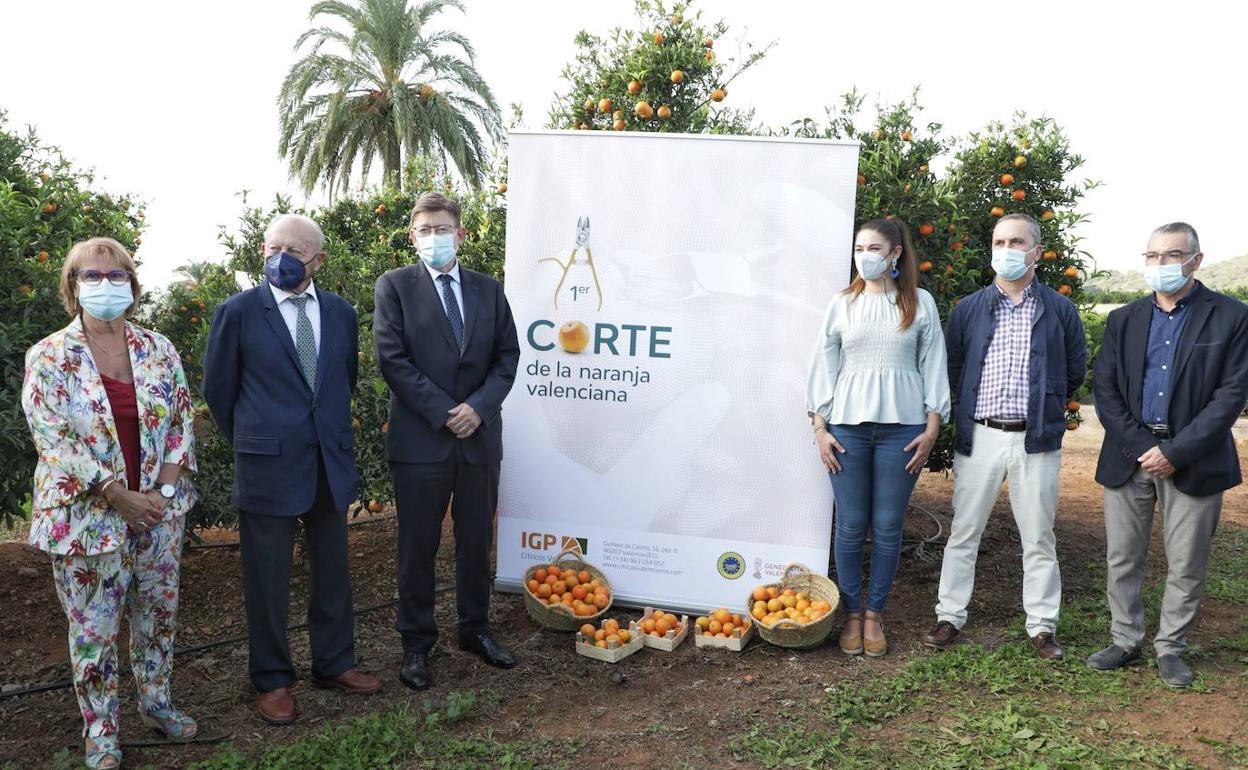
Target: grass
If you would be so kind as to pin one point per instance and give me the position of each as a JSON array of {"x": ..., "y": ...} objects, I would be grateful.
[{"x": 401, "y": 738}]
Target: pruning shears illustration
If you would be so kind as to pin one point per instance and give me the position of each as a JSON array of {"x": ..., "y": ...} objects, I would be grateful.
[{"x": 582, "y": 241}]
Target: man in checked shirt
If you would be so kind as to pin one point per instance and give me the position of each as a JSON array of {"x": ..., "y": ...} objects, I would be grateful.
[{"x": 1017, "y": 354}]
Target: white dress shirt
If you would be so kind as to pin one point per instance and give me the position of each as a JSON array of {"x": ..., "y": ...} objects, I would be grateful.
[
  {"x": 455, "y": 286},
  {"x": 290, "y": 313}
]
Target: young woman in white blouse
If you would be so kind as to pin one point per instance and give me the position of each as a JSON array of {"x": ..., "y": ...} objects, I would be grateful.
[{"x": 877, "y": 394}]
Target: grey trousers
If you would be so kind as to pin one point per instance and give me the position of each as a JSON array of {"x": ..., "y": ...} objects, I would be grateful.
[{"x": 1188, "y": 526}]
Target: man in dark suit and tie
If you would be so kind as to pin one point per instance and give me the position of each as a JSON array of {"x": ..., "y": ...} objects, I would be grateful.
[
  {"x": 447, "y": 347},
  {"x": 1171, "y": 378},
  {"x": 279, "y": 370}
]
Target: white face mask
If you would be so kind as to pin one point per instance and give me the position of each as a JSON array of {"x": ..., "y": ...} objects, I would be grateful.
[
  {"x": 871, "y": 264},
  {"x": 1166, "y": 279}
]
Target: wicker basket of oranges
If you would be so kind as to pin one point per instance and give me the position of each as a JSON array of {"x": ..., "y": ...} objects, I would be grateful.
[
  {"x": 798, "y": 611},
  {"x": 567, "y": 593}
]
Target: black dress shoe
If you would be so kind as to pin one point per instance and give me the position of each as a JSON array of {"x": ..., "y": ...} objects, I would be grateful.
[
  {"x": 415, "y": 670},
  {"x": 1113, "y": 657},
  {"x": 484, "y": 646}
]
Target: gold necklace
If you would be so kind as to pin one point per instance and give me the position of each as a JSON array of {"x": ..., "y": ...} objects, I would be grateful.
[{"x": 105, "y": 351}]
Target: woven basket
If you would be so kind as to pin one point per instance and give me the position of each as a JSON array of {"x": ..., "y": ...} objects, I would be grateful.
[
  {"x": 786, "y": 633},
  {"x": 560, "y": 617}
]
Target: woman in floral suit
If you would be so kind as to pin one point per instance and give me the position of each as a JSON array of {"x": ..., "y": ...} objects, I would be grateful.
[{"x": 110, "y": 414}]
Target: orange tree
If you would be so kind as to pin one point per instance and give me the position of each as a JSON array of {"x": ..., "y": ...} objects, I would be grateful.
[
  {"x": 667, "y": 75},
  {"x": 1024, "y": 167},
  {"x": 364, "y": 237},
  {"x": 46, "y": 205}
]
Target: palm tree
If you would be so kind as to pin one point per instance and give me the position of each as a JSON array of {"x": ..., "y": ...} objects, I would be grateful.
[
  {"x": 196, "y": 271},
  {"x": 395, "y": 89}
]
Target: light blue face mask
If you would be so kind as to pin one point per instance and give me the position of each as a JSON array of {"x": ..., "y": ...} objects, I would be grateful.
[
  {"x": 436, "y": 250},
  {"x": 105, "y": 301},
  {"x": 1166, "y": 279},
  {"x": 1010, "y": 264}
]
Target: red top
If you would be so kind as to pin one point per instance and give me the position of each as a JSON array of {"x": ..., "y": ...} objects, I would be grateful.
[{"x": 126, "y": 417}]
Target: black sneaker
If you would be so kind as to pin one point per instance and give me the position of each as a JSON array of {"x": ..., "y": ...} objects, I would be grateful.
[
  {"x": 1174, "y": 672},
  {"x": 1113, "y": 657}
]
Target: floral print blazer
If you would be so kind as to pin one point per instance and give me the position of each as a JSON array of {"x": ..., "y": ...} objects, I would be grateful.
[{"x": 74, "y": 432}]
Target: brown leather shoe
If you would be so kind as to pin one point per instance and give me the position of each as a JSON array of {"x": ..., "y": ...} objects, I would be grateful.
[
  {"x": 352, "y": 680},
  {"x": 942, "y": 636},
  {"x": 1047, "y": 647},
  {"x": 277, "y": 707}
]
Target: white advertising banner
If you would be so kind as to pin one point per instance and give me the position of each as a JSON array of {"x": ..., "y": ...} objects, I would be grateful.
[{"x": 667, "y": 290}]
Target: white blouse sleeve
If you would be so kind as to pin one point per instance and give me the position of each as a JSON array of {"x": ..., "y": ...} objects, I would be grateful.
[
  {"x": 825, "y": 362},
  {"x": 933, "y": 361}
]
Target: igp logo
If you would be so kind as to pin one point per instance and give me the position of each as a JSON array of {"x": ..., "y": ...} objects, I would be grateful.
[{"x": 731, "y": 565}]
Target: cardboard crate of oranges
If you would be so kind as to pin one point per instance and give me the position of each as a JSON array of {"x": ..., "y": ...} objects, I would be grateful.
[
  {"x": 797, "y": 612},
  {"x": 566, "y": 593},
  {"x": 663, "y": 630},
  {"x": 608, "y": 642},
  {"x": 723, "y": 630}
]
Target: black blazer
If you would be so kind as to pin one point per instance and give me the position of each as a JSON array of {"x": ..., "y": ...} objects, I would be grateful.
[
  {"x": 427, "y": 374},
  {"x": 265, "y": 409},
  {"x": 1209, "y": 385}
]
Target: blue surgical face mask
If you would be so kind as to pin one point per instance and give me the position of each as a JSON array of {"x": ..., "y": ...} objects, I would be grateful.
[
  {"x": 1010, "y": 264},
  {"x": 436, "y": 250},
  {"x": 105, "y": 301},
  {"x": 871, "y": 264},
  {"x": 1166, "y": 279},
  {"x": 285, "y": 271}
]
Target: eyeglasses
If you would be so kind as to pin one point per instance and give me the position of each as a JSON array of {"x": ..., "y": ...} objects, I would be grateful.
[
  {"x": 427, "y": 231},
  {"x": 93, "y": 277},
  {"x": 1165, "y": 257}
]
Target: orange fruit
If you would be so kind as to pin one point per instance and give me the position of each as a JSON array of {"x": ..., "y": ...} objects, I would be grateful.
[
  {"x": 586, "y": 610},
  {"x": 543, "y": 590},
  {"x": 49, "y": 208},
  {"x": 719, "y": 94},
  {"x": 727, "y": 628},
  {"x": 709, "y": 56},
  {"x": 625, "y": 635},
  {"x": 1072, "y": 272},
  {"x": 664, "y": 624},
  {"x": 905, "y": 136},
  {"x": 539, "y": 574},
  {"x": 678, "y": 76},
  {"x": 611, "y": 625},
  {"x": 1072, "y": 425},
  {"x": 587, "y": 630},
  {"x": 925, "y": 266},
  {"x": 600, "y": 643},
  {"x": 926, "y": 228},
  {"x": 997, "y": 211},
  {"x": 502, "y": 188},
  {"x": 1064, "y": 289},
  {"x": 533, "y": 586},
  {"x": 715, "y": 627},
  {"x": 1007, "y": 180},
  {"x": 584, "y": 577},
  {"x": 1019, "y": 194},
  {"x": 604, "y": 105},
  {"x": 1020, "y": 161},
  {"x": 722, "y": 615},
  {"x": 634, "y": 87},
  {"x": 1073, "y": 405},
  {"x": 708, "y": 42},
  {"x": 1046, "y": 215},
  {"x": 861, "y": 180},
  {"x": 759, "y": 612},
  {"x": 948, "y": 269},
  {"x": 600, "y": 634},
  {"x": 644, "y": 110},
  {"x": 43, "y": 257},
  {"x": 1050, "y": 256},
  {"x": 659, "y": 38},
  {"x": 551, "y": 580},
  {"x": 665, "y": 112},
  {"x": 760, "y": 594},
  {"x": 647, "y": 625},
  {"x": 579, "y": 593}
]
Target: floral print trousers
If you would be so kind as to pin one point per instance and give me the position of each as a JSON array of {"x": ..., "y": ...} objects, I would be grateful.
[{"x": 140, "y": 579}]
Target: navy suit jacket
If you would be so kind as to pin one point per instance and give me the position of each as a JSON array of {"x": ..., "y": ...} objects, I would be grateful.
[
  {"x": 1208, "y": 387},
  {"x": 427, "y": 374},
  {"x": 263, "y": 406}
]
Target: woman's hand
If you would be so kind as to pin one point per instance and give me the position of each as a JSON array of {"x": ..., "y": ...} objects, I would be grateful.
[
  {"x": 922, "y": 446},
  {"x": 829, "y": 447},
  {"x": 139, "y": 510}
]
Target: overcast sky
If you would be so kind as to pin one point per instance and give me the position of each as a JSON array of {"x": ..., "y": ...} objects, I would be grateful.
[{"x": 174, "y": 102}]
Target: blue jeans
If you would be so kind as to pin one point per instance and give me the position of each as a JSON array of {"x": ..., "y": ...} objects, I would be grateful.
[{"x": 872, "y": 490}]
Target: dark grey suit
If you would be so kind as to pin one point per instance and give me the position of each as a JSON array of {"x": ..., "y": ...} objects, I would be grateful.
[{"x": 428, "y": 375}]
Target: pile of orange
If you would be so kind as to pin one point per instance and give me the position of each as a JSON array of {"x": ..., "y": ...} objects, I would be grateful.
[
  {"x": 720, "y": 622},
  {"x": 659, "y": 623},
  {"x": 773, "y": 604},
  {"x": 581, "y": 593},
  {"x": 607, "y": 634}
]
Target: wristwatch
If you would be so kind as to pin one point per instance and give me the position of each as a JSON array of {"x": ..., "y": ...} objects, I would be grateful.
[{"x": 167, "y": 491}]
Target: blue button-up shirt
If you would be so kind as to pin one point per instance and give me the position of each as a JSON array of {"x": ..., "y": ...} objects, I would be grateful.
[{"x": 1163, "y": 339}]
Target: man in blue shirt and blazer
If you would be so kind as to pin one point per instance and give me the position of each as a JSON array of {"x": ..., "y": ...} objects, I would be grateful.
[
  {"x": 1171, "y": 379},
  {"x": 447, "y": 347},
  {"x": 279, "y": 371}
]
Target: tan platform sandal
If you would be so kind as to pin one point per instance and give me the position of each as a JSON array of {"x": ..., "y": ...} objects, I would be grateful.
[
  {"x": 851, "y": 636},
  {"x": 875, "y": 648}
]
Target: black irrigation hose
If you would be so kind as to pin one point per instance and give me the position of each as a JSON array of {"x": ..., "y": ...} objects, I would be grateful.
[{"x": 67, "y": 683}]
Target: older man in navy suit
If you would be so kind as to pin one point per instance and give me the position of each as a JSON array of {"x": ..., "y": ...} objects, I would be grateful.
[
  {"x": 446, "y": 345},
  {"x": 278, "y": 375}
]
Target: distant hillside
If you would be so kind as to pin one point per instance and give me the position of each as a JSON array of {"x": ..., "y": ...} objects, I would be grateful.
[{"x": 1223, "y": 276}]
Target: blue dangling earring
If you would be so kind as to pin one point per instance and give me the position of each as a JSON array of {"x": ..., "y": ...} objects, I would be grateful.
[{"x": 895, "y": 272}]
